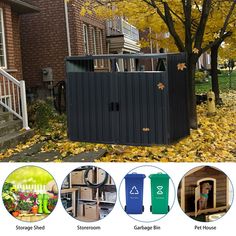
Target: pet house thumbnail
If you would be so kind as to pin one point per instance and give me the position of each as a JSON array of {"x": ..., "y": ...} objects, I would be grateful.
[{"x": 204, "y": 191}]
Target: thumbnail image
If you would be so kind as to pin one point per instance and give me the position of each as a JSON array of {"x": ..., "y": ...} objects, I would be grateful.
[
  {"x": 205, "y": 193},
  {"x": 30, "y": 194},
  {"x": 88, "y": 193}
]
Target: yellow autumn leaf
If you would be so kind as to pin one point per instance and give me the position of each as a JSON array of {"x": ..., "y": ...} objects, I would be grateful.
[{"x": 195, "y": 50}]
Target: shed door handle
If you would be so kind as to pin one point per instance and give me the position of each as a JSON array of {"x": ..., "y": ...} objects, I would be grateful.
[
  {"x": 111, "y": 106},
  {"x": 117, "y": 106}
]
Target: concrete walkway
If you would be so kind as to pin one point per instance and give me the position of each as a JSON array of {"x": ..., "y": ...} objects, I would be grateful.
[{"x": 34, "y": 154}]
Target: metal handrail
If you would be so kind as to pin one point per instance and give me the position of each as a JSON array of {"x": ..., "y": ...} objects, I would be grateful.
[{"x": 13, "y": 96}]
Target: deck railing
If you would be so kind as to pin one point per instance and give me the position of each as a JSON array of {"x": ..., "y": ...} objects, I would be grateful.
[
  {"x": 119, "y": 26},
  {"x": 13, "y": 96}
]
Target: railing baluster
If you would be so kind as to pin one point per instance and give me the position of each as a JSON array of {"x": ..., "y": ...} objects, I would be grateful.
[
  {"x": 18, "y": 101},
  {"x": 14, "y": 98},
  {"x": 4, "y": 90},
  {"x": 9, "y": 94}
]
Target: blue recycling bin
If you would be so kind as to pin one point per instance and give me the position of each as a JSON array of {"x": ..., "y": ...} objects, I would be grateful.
[{"x": 134, "y": 193}]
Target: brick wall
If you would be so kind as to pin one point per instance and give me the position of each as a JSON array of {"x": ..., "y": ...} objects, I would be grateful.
[
  {"x": 76, "y": 28},
  {"x": 17, "y": 44},
  {"x": 12, "y": 36},
  {"x": 43, "y": 37},
  {"x": 44, "y": 41}
]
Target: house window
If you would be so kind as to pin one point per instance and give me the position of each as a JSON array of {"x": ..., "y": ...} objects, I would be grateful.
[
  {"x": 3, "y": 60},
  {"x": 86, "y": 43},
  {"x": 94, "y": 44},
  {"x": 101, "y": 46}
]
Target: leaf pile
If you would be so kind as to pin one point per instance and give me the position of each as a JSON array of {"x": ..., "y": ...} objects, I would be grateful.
[{"x": 213, "y": 141}]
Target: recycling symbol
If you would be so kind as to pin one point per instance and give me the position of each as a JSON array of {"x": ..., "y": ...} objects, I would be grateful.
[
  {"x": 159, "y": 190},
  {"x": 134, "y": 191}
]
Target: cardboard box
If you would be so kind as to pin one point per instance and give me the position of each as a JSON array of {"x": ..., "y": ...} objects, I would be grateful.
[
  {"x": 91, "y": 212},
  {"x": 101, "y": 176},
  {"x": 77, "y": 177},
  {"x": 86, "y": 193}
]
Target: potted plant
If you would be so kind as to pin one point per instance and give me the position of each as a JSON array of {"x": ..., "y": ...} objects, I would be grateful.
[
  {"x": 9, "y": 197},
  {"x": 26, "y": 200}
]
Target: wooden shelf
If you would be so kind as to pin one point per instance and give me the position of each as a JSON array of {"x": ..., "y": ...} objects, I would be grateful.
[
  {"x": 73, "y": 191},
  {"x": 69, "y": 209},
  {"x": 69, "y": 190},
  {"x": 107, "y": 202},
  {"x": 87, "y": 200}
]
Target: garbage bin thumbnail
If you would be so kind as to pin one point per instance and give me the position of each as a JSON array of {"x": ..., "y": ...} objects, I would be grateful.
[
  {"x": 159, "y": 193},
  {"x": 134, "y": 193}
]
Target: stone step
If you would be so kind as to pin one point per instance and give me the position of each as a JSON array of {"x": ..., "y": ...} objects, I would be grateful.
[
  {"x": 10, "y": 127},
  {"x": 13, "y": 139},
  {"x": 5, "y": 117}
]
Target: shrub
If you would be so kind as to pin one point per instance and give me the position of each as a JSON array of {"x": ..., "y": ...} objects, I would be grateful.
[
  {"x": 41, "y": 113},
  {"x": 200, "y": 76}
]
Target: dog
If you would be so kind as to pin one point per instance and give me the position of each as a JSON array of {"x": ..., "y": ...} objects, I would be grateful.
[{"x": 205, "y": 189}]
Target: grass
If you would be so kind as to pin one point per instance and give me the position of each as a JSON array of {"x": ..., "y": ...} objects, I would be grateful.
[{"x": 223, "y": 83}]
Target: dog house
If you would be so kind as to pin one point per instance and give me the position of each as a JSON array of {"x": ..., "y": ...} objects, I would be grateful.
[
  {"x": 191, "y": 190},
  {"x": 122, "y": 103}
]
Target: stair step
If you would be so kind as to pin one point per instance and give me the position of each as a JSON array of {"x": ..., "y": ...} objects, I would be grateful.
[
  {"x": 13, "y": 139},
  {"x": 10, "y": 127},
  {"x": 5, "y": 117}
]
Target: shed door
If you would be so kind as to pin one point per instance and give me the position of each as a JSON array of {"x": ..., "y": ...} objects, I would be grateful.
[
  {"x": 197, "y": 197},
  {"x": 141, "y": 113},
  {"x": 90, "y": 116}
]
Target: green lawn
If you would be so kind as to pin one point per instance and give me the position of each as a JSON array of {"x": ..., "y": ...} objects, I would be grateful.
[{"x": 223, "y": 83}]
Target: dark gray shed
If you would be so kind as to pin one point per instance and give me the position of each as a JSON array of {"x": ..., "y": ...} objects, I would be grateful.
[{"x": 126, "y": 107}]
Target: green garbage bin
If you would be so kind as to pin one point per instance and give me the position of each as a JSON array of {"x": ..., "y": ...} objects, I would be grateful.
[{"x": 159, "y": 193}]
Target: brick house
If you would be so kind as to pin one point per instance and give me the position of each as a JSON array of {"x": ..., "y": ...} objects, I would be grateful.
[
  {"x": 12, "y": 87},
  {"x": 10, "y": 46},
  {"x": 59, "y": 31}
]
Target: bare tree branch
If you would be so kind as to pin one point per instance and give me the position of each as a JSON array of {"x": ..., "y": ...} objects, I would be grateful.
[
  {"x": 228, "y": 18},
  {"x": 206, "y": 7},
  {"x": 171, "y": 27},
  {"x": 217, "y": 41}
]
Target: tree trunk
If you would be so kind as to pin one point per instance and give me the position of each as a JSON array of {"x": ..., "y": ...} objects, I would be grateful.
[
  {"x": 192, "y": 107},
  {"x": 214, "y": 72}
]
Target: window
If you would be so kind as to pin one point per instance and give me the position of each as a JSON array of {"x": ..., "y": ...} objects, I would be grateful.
[
  {"x": 85, "y": 35},
  {"x": 101, "y": 45},
  {"x": 3, "y": 60},
  {"x": 94, "y": 44}
]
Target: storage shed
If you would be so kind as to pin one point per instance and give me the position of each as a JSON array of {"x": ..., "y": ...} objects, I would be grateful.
[
  {"x": 123, "y": 103},
  {"x": 189, "y": 192}
]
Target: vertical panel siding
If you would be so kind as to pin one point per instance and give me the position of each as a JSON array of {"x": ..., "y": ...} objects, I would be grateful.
[
  {"x": 89, "y": 118},
  {"x": 179, "y": 124},
  {"x": 137, "y": 102}
]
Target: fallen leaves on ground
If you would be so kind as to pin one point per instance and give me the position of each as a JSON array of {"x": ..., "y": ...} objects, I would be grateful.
[{"x": 214, "y": 141}]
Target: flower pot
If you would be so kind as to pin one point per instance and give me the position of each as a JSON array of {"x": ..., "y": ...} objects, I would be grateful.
[{"x": 34, "y": 209}]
